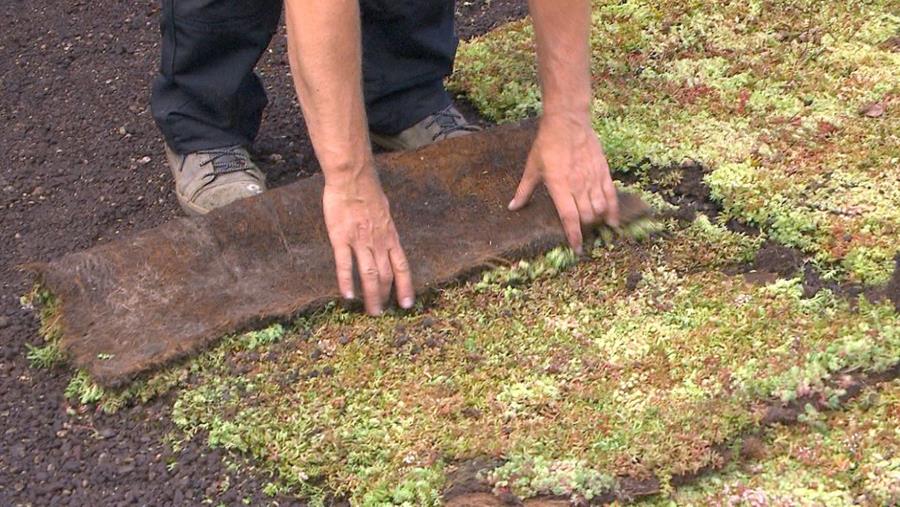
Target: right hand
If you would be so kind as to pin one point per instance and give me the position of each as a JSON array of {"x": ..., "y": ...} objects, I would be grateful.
[{"x": 358, "y": 218}]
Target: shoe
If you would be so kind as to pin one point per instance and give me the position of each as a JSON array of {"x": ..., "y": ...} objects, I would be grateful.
[
  {"x": 444, "y": 124},
  {"x": 209, "y": 179}
]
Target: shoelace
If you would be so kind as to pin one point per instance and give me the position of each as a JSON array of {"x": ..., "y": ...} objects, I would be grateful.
[
  {"x": 226, "y": 160},
  {"x": 449, "y": 121}
]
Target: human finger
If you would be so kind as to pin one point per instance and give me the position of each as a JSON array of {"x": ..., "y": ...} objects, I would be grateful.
[
  {"x": 598, "y": 201},
  {"x": 343, "y": 261},
  {"x": 571, "y": 220},
  {"x": 406, "y": 293},
  {"x": 585, "y": 208},
  {"x": 368, "y": 275},
  {"x": 385, "y": 273},
  {"x": 530, "y": 179}
]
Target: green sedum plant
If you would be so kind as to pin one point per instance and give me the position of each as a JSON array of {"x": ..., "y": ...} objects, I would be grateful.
[{"x": 789, "y": 107}]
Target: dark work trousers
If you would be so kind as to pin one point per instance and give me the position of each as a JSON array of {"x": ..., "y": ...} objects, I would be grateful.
[{"x": 207, "y": 94}]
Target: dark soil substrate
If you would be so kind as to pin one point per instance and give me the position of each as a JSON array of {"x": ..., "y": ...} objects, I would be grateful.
[{"x": 84, "y": 164}]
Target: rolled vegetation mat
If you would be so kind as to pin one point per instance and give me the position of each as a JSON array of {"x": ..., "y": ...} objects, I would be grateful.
[{"x": 135, "y": 304}]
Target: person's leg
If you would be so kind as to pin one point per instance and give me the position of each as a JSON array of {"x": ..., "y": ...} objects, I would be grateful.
[
  {"x": 206, "y": 94},
  {"x": 408, "y": 49},
  {"x": 207, "y": 101}
]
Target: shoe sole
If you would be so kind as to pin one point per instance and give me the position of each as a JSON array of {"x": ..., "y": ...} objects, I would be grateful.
[{"x": 193, "y": 210}]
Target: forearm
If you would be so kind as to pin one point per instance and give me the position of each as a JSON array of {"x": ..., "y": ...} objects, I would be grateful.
[
  {"x": 325, "y": 55},
  {"x": 562, "y": 33},
  {"x": 566, "y": 154}
]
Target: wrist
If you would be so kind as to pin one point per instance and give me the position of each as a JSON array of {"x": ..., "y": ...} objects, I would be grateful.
[
  {"x": 350, "y": 177},
  {"x": 566, "y": 119},
  {"x": 567, "y": 106},
  {"x": 567, "y": 98},
  {"x": 343, "y": 169}
]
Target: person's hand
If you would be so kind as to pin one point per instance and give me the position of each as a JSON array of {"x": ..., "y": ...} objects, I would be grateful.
[
  {"x": 360, "y": 226},
  {"x": 568, "y": 158}
]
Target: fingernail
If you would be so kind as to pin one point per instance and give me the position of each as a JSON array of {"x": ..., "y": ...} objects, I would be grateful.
[
  {"x": 579, "y": 251},
  {"x": 511, "y": 205},
  {"x": 348, "y": 295},
  {"x": 407, "y": 303}
]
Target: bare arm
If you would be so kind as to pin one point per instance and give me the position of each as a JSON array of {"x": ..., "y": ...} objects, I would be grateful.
[
  {"x": 326, "y": 63},
  {"x": 566, "y": 155}
]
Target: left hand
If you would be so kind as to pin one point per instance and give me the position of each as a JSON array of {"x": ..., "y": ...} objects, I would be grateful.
[{"x": 568, "y": 158}]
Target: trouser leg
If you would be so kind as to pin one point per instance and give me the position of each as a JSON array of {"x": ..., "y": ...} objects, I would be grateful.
[
  {"x": 408, "y": 49},
  {"x": 206, "y": 94}
]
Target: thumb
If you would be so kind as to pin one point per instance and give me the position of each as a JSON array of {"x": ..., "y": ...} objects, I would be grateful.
[{"x": 529, "y": 182}]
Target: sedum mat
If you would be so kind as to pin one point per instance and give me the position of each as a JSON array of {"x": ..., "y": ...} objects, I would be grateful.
[
  {"x": 132, "y": 305},
  {"x": 657, "y": 360}
]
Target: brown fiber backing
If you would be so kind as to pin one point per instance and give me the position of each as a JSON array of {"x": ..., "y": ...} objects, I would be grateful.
[{"x": 135, "y": 304}]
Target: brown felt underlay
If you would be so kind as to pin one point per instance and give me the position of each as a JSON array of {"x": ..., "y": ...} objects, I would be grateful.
[{"x": 135, "y": 304}]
